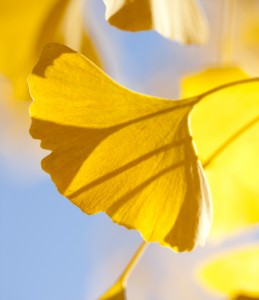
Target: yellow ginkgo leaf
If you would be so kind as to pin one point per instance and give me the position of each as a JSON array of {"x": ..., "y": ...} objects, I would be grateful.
[
  {"x": 118, "y": 151},
  {"x": 225, "y": 129},
  {"x": 26, "y": 25},
  {"x": 180, "y": 20},
  {"x": 234, "y": 273}
]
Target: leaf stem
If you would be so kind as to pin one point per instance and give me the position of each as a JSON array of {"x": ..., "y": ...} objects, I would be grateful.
[
  {"x": 230, "y": 140},
  {"x": 136, "y": 257},
  {"x": 224, "y": 86}
]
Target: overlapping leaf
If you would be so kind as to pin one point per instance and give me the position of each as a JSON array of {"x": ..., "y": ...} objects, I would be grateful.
[
  {"x": 234, "y": 273},
  {"x": 226, "y": 131},
  {"x": 117, "y": 151},
  {"x": 131, "y": 155},
  {"x": 180, "y": 20}
]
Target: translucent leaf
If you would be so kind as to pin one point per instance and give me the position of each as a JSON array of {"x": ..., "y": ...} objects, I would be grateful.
[
  {"x": 225, "y": 129},
  {"x": 118, "y": 151},
  {"x": 234, "y": 273}
]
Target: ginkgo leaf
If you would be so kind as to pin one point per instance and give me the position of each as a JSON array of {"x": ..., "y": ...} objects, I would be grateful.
[
  {"x": 25, "y": 26},
  {"x": 116, "y": 292},
  {"x": 118, "y": 151},
  {"x": 225, "y": 129},
  {"x": 180, "y": 20},
  {"x": 233, "y": 273}
]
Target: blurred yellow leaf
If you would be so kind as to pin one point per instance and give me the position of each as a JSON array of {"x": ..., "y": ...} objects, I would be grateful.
[
  {"x": 247, "y": 35},
  {"x": 180, "y": 20},
  {"x": 26, "y": 25},
  {"x": 225, "y": 129},
  {"x": 234, "y": 273},
  {"x": 244, "y": 297},
  {"x": 118, "y": 151},
  {"x": 249, "y": 27}
]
